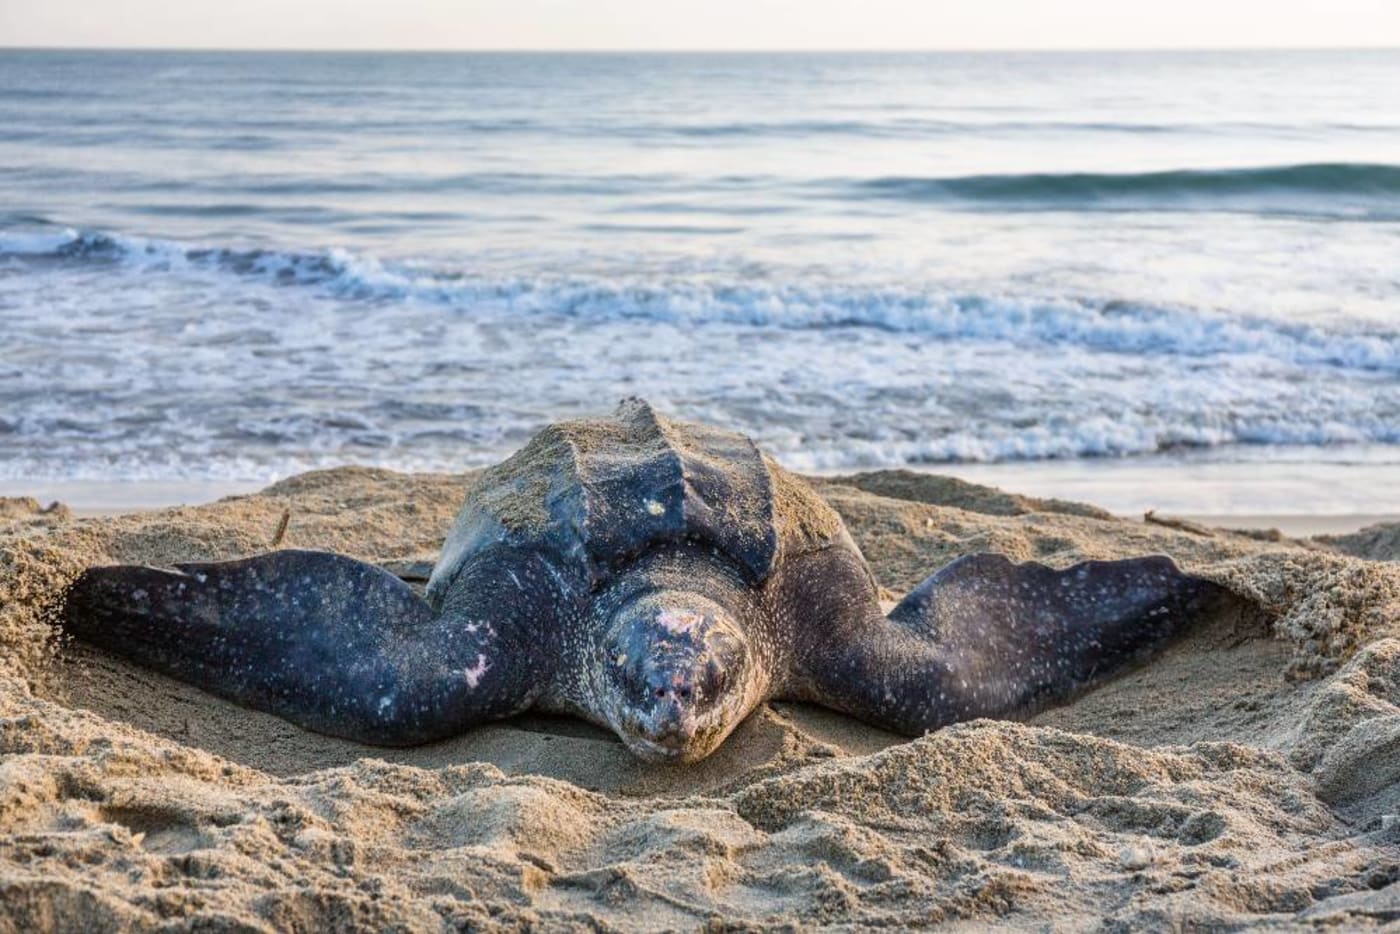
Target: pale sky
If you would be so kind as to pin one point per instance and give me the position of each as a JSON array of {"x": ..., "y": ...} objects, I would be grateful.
[{"x": 699, "y": 24}]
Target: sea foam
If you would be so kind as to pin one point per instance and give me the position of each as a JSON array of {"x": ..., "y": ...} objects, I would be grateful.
[{"x": 1110, "y": 325}]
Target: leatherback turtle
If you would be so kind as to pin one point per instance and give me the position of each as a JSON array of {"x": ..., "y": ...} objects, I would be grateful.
[{"x": 658, "y": 578}]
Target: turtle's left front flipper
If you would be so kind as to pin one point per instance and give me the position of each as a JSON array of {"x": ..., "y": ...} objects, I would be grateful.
[
  {"x": 986, "y": 637},
  {"x": 330, "y": 643}
]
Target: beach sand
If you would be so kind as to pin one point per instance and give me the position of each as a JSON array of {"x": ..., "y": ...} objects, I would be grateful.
[{"x": 1249, "y": 775}]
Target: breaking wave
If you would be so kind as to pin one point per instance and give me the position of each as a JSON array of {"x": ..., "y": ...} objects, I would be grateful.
[
  {"x": 1343, "y": 189},
  {"x": 1097, "y": 325}
]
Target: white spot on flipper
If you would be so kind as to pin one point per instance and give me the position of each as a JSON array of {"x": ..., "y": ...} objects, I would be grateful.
[
  {"x": 558, "y": 578},
  {"x": 655, "y": 508},
  {"x": 475, "y": 672}
]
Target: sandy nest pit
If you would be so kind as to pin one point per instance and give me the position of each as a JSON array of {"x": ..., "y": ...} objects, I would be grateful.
[{"x": 1249, "y": 775}]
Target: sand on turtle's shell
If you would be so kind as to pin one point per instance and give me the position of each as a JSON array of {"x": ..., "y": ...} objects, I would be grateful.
[
  {"x": 762, "y": 502},
  {"x": 1250, "y": 774}
]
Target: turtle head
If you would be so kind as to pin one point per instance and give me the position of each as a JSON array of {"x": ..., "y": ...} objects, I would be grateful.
[{"x": 678, "y": 675}]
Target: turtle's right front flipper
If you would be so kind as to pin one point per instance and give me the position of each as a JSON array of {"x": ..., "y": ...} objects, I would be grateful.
[{"x": 332, "y": 644}]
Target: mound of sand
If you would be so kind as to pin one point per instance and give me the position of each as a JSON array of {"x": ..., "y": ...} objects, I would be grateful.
[
  {"x": 1378, "y": 542},
  {"x": 1249, "y": 774}
]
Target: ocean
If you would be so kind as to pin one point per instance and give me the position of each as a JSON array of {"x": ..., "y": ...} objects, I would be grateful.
[{"x": 1165, "y": 279}]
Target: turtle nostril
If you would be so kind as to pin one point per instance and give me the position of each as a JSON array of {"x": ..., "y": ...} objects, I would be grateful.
[
  {"x": 684, "y": 693},
  {"x": 660, "y": 692}
]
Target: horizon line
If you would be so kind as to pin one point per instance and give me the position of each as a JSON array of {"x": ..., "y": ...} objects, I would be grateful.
[{"x": 756, "y": 50}]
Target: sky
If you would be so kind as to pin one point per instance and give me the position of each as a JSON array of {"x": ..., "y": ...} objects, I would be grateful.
[{"x": 699, "y": 24}]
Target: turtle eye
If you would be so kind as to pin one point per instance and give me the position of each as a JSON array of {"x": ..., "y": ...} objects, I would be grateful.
[{"x": 712, "y": 685}]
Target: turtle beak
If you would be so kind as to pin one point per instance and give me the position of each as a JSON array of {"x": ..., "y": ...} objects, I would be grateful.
[
  {"x": 672, "y": 725},
  {"x": 666, "y": 731}
]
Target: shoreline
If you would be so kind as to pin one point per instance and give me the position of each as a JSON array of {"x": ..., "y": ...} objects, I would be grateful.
[
  {"x": 1178, "y": 492},
  {"x": 1293, "y": 526}
]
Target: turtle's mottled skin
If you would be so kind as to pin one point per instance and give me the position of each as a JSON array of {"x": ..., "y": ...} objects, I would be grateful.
[{"x": 659, "y": 578}]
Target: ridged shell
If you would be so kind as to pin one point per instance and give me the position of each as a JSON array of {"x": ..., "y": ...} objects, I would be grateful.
[{"x": 597, "y": 493}]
